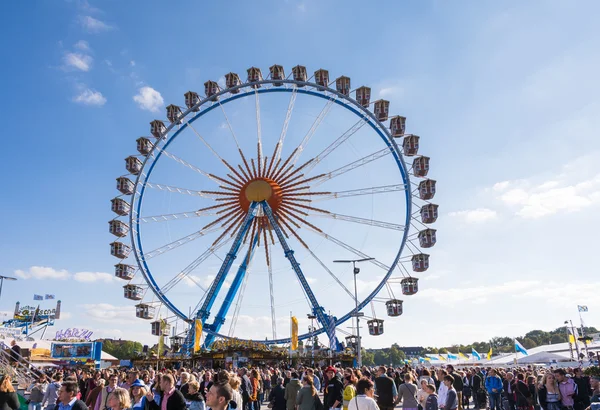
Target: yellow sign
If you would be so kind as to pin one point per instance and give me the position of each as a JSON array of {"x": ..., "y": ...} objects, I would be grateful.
[
  {"x": 197, "y": 335},
  {"x": 294, "y": 333}
]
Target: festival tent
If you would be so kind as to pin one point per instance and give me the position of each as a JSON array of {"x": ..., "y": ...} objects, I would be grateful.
[{"x": 544, "y": 357}]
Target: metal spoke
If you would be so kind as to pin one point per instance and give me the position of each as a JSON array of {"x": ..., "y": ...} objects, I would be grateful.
[
  {"x": 288, "y": 116},
  {"x": 271, "y": 292},
  {"x": 258, "y": 133},
  {"x": 173, "y": 217},
  {"x": 177, "y": 243},
  {"x": 185, "y": 191},
  {"x": 238, "y": 306},
  {"x": 362, "y": 191},
  {"x": 355, "y": 164},
  {"x": 363, "y": 221},
  {"x": 187, "y": 164},
  {"x": 339, "y": 282},
  {"x": 313, "y": 129}
]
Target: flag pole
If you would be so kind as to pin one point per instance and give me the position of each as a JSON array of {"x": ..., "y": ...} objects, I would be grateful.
[
  {"x": 585, "y": 345},
  {"x": 516, "y": 355}
]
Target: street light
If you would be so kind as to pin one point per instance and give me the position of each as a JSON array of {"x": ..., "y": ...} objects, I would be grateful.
[
  {"x": 2, "y": 282},
  {"x": 356, "y": 313}
]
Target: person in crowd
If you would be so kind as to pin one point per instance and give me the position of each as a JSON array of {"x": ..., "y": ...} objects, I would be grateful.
[
  {"x": 508, "y": 386},
  {"x": 194, "y": 398},
  {"x": 386, "y": 391},
  {"x": 206, "y": 384},
  {"x": 51, "y": 396},
  {"x": 426, "y": 375},
  {"x": 119, "y": 399},
  {"x": 218, "y": 396},
  {"x": 93, "y": 394},
  {"x": 452, "y": 396},
  {"x": 305, "y": 400},
  {"x": 236, "y": 396},
  {"x": 255, "y": 381},
  {"x": 531, "y": 385},
  {"x": 432, "y": 398},
  {"x": 475, "y": 382},
  {"x": 407, "y": 393},
  {"x": 494, "y": 387},
  {"x": 334, "y": 390},
  {"x": 467, "y": 390},
  {"x": 37, "y": 391},
  {"x": 277, "y": 396},
  {"x": 247, "y": 389},
  {"x": 291, "y": 391},
  {"x": 91, "y": 384},
  {"x": 365, "y": 390},
  {"x": 102, "y": 399},
  {"x": 422, "y": 393},
  {"x": 8, "y": 397},
  {"x": 316, "y": 381},
  {"x": 15, "y": 352},
  {"x": 266, "y": 383},
  {"x": 524, "y": 400},
  {"x": 582, "y": 399},
  {"x": 138, "y": 392},
  {"x": 67, "y": 397},
  {"x": 441, "y": 388},
  {"x": 595, "y": 382},
  {"x": 170, "y": 398},
  {"x": 458, "y": 383},
  {"x": 183, "y": 387},
  {"x": 567, "y": 388},
  {"x": 548, "y": 393},
  {"x": 349, "y": 390}
]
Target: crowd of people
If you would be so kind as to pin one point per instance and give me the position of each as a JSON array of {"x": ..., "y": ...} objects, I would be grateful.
[{"x": 305, "y": 388}]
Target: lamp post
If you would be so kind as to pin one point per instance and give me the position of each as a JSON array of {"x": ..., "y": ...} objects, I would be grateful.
[
  {"x": 312, "y": 317},
  {"x": 356, "y": 313},
  {"x": 2, "y": 282}
]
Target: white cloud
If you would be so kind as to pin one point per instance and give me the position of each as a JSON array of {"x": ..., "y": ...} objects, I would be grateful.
[
  {"x": 88, "y": 96},
  {"x": 132, "y": 63},
  {"x": 82, "y": 45},
  {"x": 78, "y": 61},
  {"x": 501, "y": 186},
  {"x": 149, "y": 99},
  {"x": 92, "y": 25},
  {"x": 477, "y": 294},
  {"x": 478, "y": 215},
  {"x": 93, "y": 277},
  {"x": 390, "y": 91},
  {"x": 301, "y": 7},
  {"x": 42, "y": 272},
  {"x": 107, "y": 313}
]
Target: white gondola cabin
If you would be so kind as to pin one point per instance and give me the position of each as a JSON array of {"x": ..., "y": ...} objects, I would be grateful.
[
  {"x": 277, "y": 73},
  {"x": 254, "y": 75},
  {"x": 322, "y": 78},
  {"x": 397, "y": 126},
  {"x": 420, "y": 262},
  {"x": 144, "y": 311},
  {"x": 351, "y": 342},
  {"x": 144, "y": 145},
  {"x": 429, "y": 213},
  {"x": 427, "y": 189},
  {"x": 173, "y": 113},
  {"x": 118, "y": 228},
  {"x": 382, "y": 109},
  {"x": 410, "y": 285},
  {"x": 119, "y": 250},
  {"x": 125, "y": 185},
  {"x": 211, "y": 88},
  {"x": 157, "y": 127},
  {"x": 375, "y": 327},
  {"x": 363, "y": 96},
  {"x": 342, "y": 85},
  {"x": 133, "y": 292},
  {"x": 421, "y": 166},
  {"x": 120, "y": 206},
  {"x": 133, "y": 165},
  {"x": 299, "y": 73},
  {"x": 124, "y": 271},
  {"x": 410, "y": 145},
  {"x": 427, "y": 238},
  {"x": 191, "y": 99},
  {"x": 394, "y": 307},
  {"x": 176, "y": 342},
  {"x": 232, "y": 80},
  {"x": 160, "y": 328}
]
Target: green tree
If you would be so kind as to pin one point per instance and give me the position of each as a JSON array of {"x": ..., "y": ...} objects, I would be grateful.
[
  {"x": 368, "y": 357},
  {"x": 396, "y": 355}
]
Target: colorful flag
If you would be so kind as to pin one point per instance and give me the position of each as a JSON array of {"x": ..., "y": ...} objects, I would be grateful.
[
  {"x": 294, "y": 345},
  {"x": 582, "y": 308},
  {"x": 49, "y": 296},
  {"x": 38, "y": 297},
  {"x": 442, "y": 358},
  {"x": 573, "y": 335},
  {"x": 452, "y": 356},
  {"x": 462, "y": 356},
  {"x": 197, "y": 334},
  {"x": 519, "y": 348},
  {"x": 475, "y": 354},
  {"x": 489, "y": 355}
]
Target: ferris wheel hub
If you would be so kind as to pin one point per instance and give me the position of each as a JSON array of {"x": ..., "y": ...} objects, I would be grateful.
[{"x": 260, "y": 189}]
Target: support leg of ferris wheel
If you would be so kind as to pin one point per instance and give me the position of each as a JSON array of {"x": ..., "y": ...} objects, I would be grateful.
[
  {"x": 212, "y": 293},
  {"x": 328, "y": 322},
  {"x": 233, "y": 289}
]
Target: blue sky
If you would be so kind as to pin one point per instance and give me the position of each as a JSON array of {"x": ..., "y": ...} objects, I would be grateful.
[{"x": 504, "y": 96}]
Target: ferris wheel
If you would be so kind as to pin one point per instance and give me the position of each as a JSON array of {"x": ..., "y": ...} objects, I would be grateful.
[{"x": 238, "y": 206}]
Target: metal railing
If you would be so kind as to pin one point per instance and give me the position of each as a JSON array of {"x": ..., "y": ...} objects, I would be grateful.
[{"x": 20, "y": 369}]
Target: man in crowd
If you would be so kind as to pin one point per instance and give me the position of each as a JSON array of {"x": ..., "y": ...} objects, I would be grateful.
[
  {"x": 67, "y": 396},
  {"x": 493, "y": 385},
  {"x": 452, "y": 402},
  {"x": 458, "y": 383},
  {"x": 334, "y": 389},
  {"x": 102, "y": 399},
  {"x": 170, "y": 397},
  {"x": 385, "y": 388},
  {"x": 247, "y": 389},
  {"x": 475, "y": 382},
  {"x": 509, "y": 391},
  {"x": 219, "y": 396},
  {"x": 595, "y": 382},
  {"x": 567, "y": 387},
  {"x": 51, "y": 395},
  {"x": 582, "y": 400},
  {"x": 184, "y": 384},
  {"x": 15, "y": 352}
]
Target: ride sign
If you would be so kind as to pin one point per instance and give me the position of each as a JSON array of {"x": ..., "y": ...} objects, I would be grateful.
[{"x": 73, "y": 334}]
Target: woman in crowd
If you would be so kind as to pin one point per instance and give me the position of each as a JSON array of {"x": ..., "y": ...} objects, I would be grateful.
[
  {"x": 138, "y": 394},
  {"x": 425, "y": 375},
  {"x": 277, "y": 397},
  {"x": 8, "y": 397},
  {"x": 533, "y": 391},
  {"x": 523, "y": 395},
  {"x": 407, "y": 393},
  {"x": 467, "y": 390},
  {"x": 255, "y": 380},
  {"x": 37, "y": 389},
  {"x": 548, "y": 393},
  {"x": 196, "y": 402},
  {"x": 422, "y": 394},
  {"x": 236, "y": 396},
  {"x": 119, "y": 399},
  {"x": 305, "y": 400},
  {"x": 364, "y": 396},
  {"x": 349, "y": 390}
]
